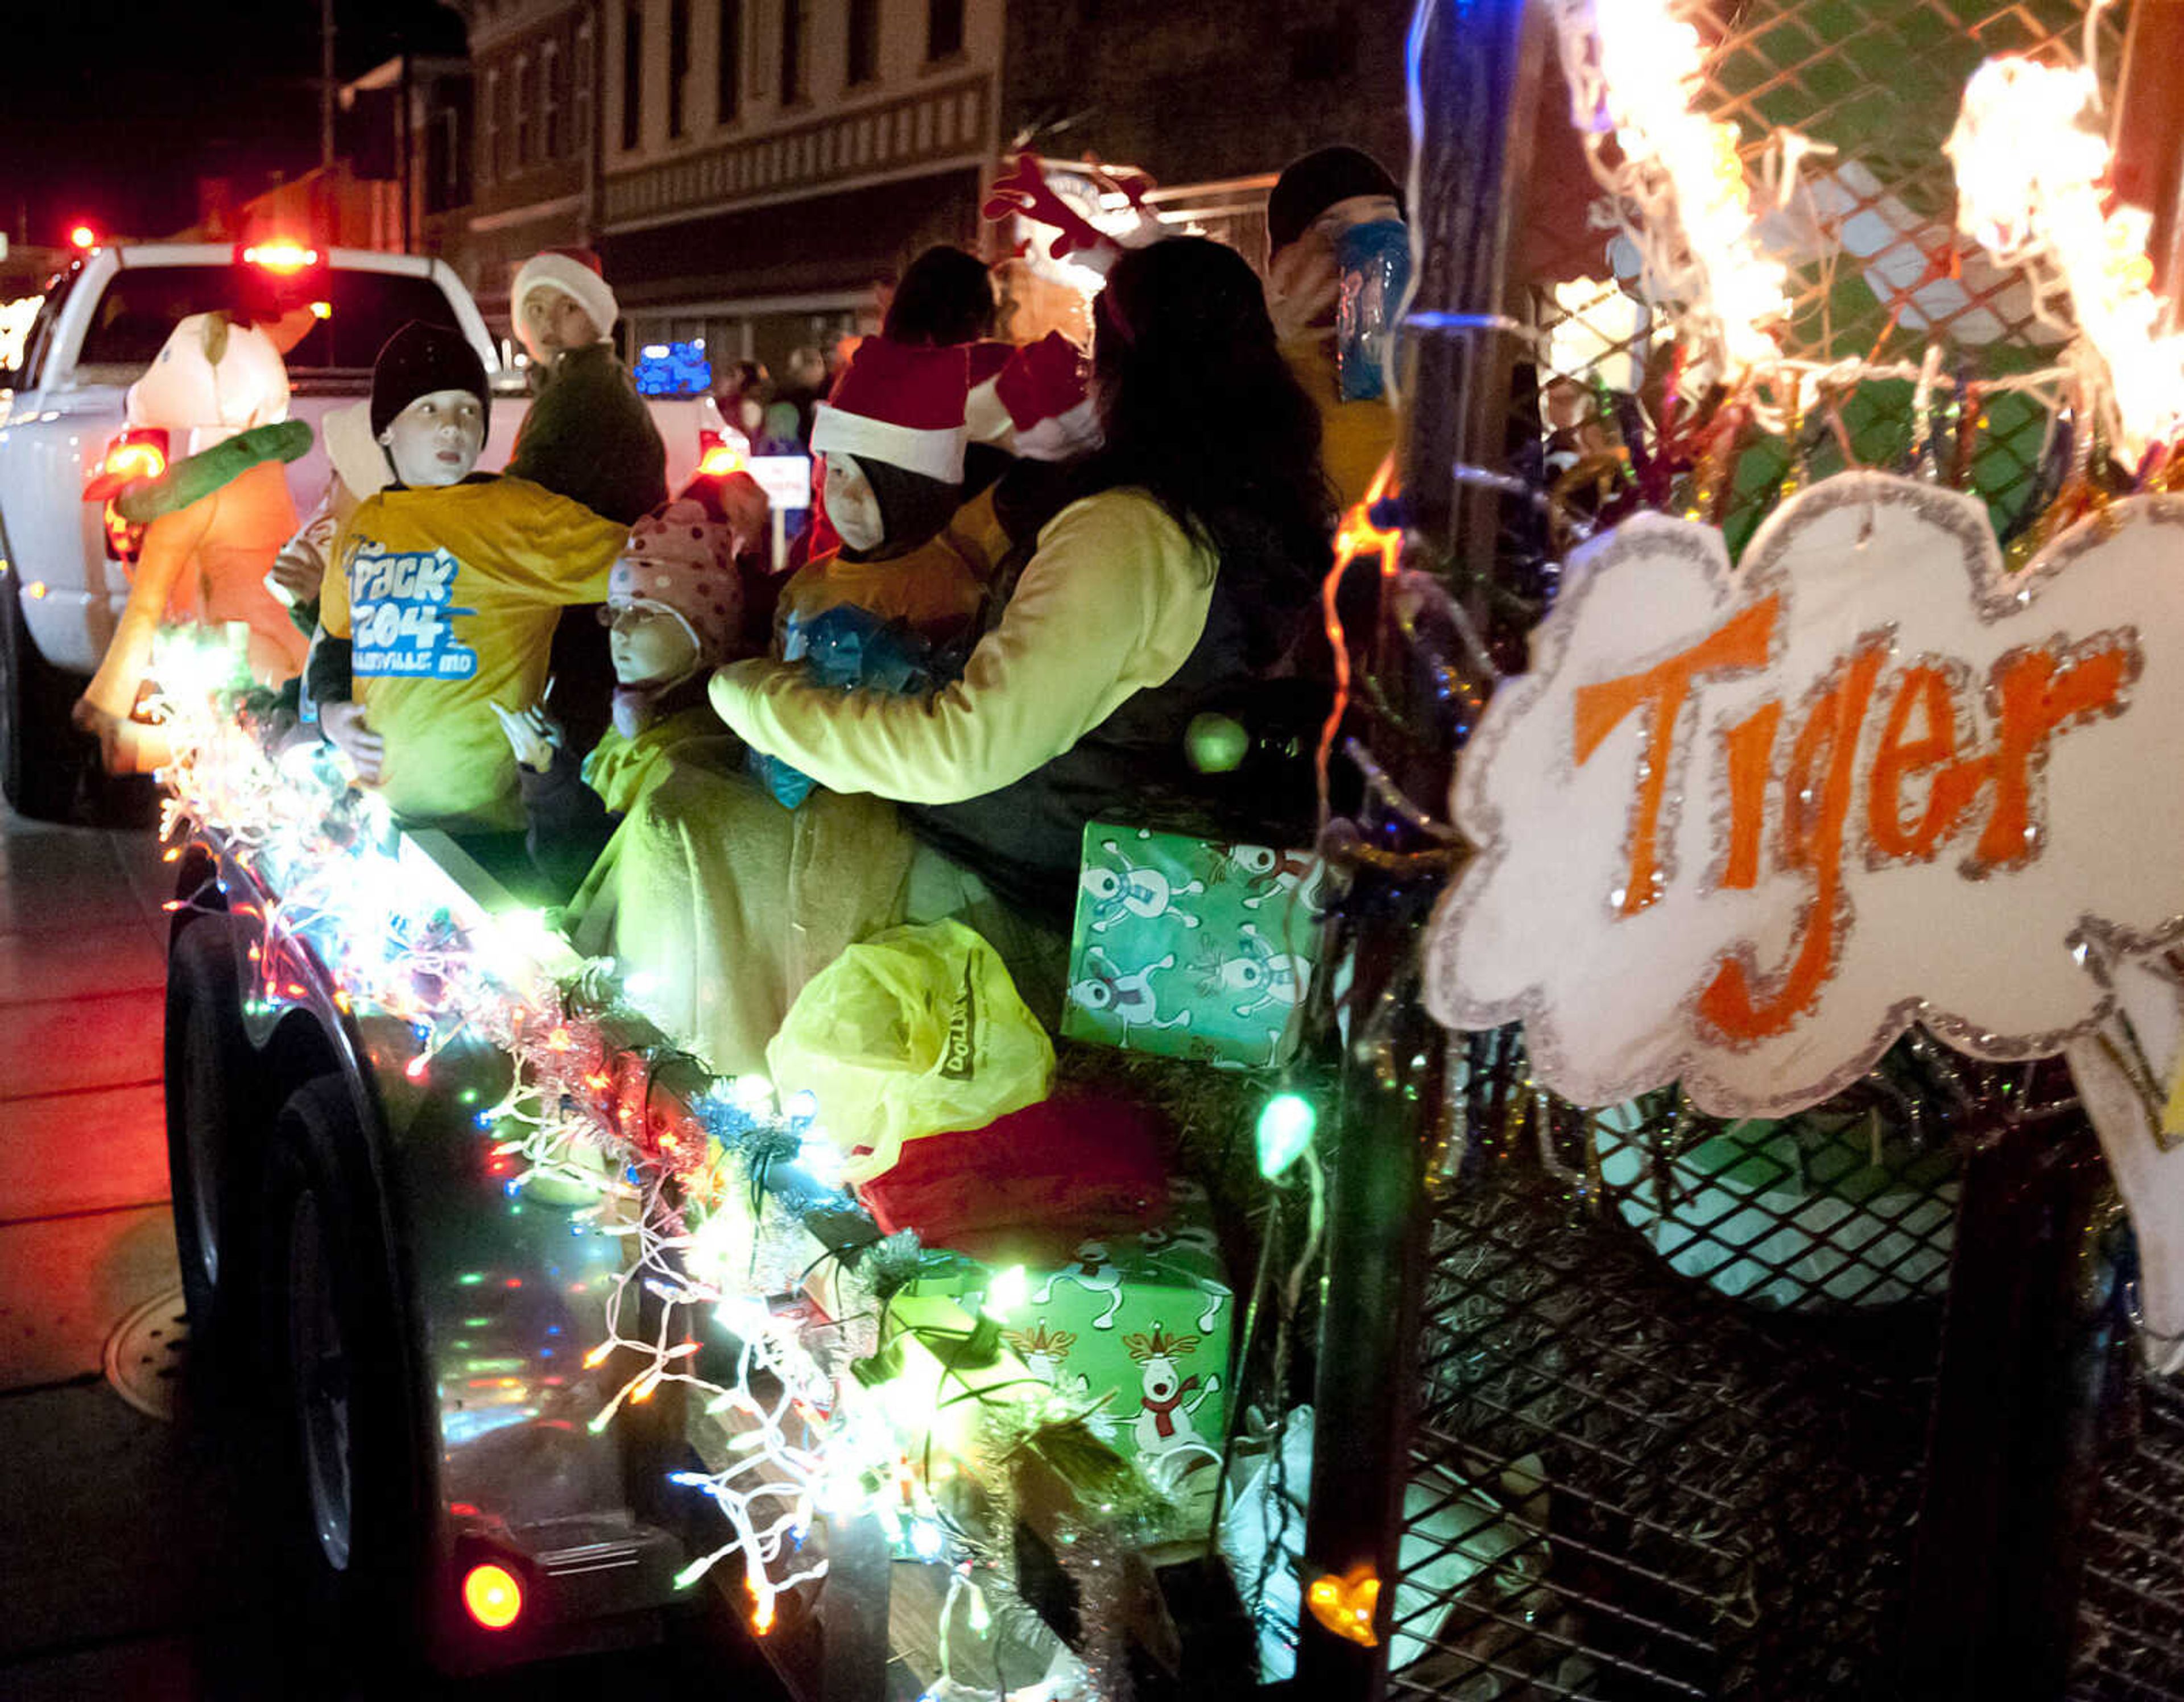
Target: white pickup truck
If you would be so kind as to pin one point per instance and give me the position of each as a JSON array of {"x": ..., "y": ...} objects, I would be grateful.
[{"x": 62, "y": 579}]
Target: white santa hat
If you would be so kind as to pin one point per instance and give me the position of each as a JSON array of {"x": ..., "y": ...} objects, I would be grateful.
[
  {"x": 575, "y": 272},
  {"x": 1039, "y": 404},
  {"x": 899, "y": 405}
]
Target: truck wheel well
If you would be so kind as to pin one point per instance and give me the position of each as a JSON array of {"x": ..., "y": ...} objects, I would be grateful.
[{"x": 297, "y": 1051}]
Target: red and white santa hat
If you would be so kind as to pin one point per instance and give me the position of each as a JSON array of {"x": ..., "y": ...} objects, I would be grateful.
[
  {"x": 681, "y": 561},
  {"x": 901, "y": 405},
  {"x": 573, "y": 271},
  {"x": 1039, "y": 404}
]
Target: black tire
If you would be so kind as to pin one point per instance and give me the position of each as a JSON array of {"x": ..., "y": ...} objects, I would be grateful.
[
  {"x": 350, "y": 1530},
  {"x": 41, "y": 754},
  {"x": 214, "y": 1141}
]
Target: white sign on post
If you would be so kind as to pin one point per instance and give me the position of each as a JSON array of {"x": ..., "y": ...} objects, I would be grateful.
[
  {"x": 787, "y": 481},
  {"x": 1740, "y": 827}
]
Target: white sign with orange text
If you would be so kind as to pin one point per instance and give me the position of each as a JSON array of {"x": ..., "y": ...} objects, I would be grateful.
[{"x": 1740, "y": 827}]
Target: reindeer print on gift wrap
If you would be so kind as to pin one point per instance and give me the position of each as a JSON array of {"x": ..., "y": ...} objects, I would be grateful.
[
  {"x": 1163, "y": 1422},
  {"x": 1254, "y": 967},
  {"x": 1130, "y": 998},
  {"x": 1093, "y": 1271},
  {"x": 1134, "y": 890},
  {"x": 1270, "y": 874},
  {"x": 1195, "y": 1238},
  {"x": 1044, "y": 1351}
]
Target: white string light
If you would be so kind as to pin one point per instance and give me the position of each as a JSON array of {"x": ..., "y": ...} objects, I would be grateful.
[{"x": 2032, "y": 169}]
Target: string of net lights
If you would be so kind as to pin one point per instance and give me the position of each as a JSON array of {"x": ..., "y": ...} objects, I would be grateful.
[
  {"x": 2032, "y": 169},
  {"x": 806, "y": 1442},
  {"x": 1678, "y": 191}
]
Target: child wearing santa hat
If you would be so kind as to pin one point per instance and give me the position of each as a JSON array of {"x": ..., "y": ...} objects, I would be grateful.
[
  {"x": 675, "y": 609},
  {"x": 588, "y": 435}
]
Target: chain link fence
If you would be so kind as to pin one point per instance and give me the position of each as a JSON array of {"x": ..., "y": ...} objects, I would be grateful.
[{"x": 1677, "y": 1408}]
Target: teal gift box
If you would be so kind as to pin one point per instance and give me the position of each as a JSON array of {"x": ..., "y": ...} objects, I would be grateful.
[
  {"x": 1132, "y": 1329},
  {"x": 1189, "y": 947}
]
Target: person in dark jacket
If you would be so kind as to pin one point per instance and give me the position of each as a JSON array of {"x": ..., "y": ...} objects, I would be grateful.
[{"x": 588, "y": 435}]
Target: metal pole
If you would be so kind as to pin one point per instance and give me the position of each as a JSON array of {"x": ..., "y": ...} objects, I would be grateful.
[
  {"x": 325, "y": 85},
  {"x": 1474, "y": 69}
]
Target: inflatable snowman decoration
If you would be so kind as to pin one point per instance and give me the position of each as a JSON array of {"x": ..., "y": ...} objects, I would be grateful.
[{"x": 214, "y": 520}]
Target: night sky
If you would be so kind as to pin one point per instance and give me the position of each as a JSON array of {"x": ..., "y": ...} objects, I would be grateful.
[{"x": 113, "y": 108}]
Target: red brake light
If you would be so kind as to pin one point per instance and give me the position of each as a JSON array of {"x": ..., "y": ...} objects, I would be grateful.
[
  {"x": 139, "y": 453},
  {"x": 282, "y": 256},
  {"x": 493, "y": 1595},
  {"x": 717, "y": 456},
  {"x": 83, "y": 238}
]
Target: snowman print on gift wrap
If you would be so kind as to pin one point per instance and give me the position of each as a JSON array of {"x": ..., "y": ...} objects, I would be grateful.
[
  {"x": 1095, "y": 1273},
  {"x": 1166, "y": 1397},
  {"x": 1132, "y": 891},
  {"x": 1128, "y": 997}
]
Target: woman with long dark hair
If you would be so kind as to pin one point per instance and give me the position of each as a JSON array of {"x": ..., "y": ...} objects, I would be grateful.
[{"x": 1180, "y": 565}]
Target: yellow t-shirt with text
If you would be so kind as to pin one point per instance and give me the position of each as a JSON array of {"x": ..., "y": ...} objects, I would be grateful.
[{"x": 448, "y": 598}]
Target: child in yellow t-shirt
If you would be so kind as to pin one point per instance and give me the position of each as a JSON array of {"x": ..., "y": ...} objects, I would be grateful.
[{"x": 441, "y": 596}]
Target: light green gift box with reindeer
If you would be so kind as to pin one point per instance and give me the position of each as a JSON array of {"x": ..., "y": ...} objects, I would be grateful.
[
  {"x": 1190, "y": 947},
  {"x": 1143, "y": 1321}
]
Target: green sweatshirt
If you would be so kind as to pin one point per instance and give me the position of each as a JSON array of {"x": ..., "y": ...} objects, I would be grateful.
[{"x": 589, "y": 437}]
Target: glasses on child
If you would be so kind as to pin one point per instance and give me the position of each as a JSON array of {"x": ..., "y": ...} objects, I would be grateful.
[{"x": 613, "y": 616}]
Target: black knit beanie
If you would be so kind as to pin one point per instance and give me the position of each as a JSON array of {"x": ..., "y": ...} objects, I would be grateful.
[
  {"x": 420, "y": 359},
  {"x": 1310, "y": 185}
]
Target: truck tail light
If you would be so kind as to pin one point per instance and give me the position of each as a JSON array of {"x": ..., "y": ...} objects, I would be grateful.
[
  {"x": 124, "y": 537},
  {"x": 493, "y": 1595},
  {"x": 717, "y": 456},
  {"x": 139, "y": 453}
]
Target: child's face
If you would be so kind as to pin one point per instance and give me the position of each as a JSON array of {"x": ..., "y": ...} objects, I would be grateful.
[
  {"x": 852, "y": 506},
  {"x": 650, "y": 646},
  {"x": 554, "y": 321},
  {"x": 437, "y": 439}
]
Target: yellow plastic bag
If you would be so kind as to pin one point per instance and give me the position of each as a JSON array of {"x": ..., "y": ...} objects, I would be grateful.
[{"x": 916, "y": 1031}]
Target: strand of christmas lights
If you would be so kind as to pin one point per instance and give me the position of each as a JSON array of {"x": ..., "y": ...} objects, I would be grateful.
[{"x": 2032, "y": 169}]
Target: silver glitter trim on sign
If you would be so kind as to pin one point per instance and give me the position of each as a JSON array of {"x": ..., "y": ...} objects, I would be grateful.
[{"x": 1996, "y": 595}]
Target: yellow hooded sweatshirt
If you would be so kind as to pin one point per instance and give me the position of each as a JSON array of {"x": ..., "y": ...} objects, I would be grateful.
[{"x": 448, "y": 598}]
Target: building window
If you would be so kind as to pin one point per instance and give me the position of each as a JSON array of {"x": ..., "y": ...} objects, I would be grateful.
[
  {"x": 526, "y": 103},
  {"x": 678, "y": 61},
  {"x": 729, "y": 67},
  {"x": 633, "y": 75},
  {"x": 792, "y": 51},
  {"x": 864, "y": 41},
  {"x": 553, "y": 95},
  {"x": 582, "y": 81},
  {"x": 943, "y": 28},
  {"x": 489, "y": 136}
]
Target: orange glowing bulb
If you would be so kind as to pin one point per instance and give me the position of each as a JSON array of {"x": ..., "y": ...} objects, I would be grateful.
[
  {"x": 1345, "y": 1605},
  {"x": 493, "y": 1595}
]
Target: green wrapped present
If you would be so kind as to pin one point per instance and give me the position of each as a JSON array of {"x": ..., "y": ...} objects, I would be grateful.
[
  {"x": 1136, "y": 1329},
  {"x": 1191, "y": 948}
]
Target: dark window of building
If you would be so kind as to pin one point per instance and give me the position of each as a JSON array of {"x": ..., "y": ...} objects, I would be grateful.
[
  {"x": 582, "y": 81},
  {"x": 553, "y": 100},
  {"x": 526, "y": 104},
  {"x": 678, "y": 61},
  {"x": 792, "y": 51},
  {"x": 633, "y": 75},
  {"x": 943, "y": 28},
  {"x": 447, "y": 148},
  {"x": 728, "y": 68},
  {"x": 864, "y": 41}
]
